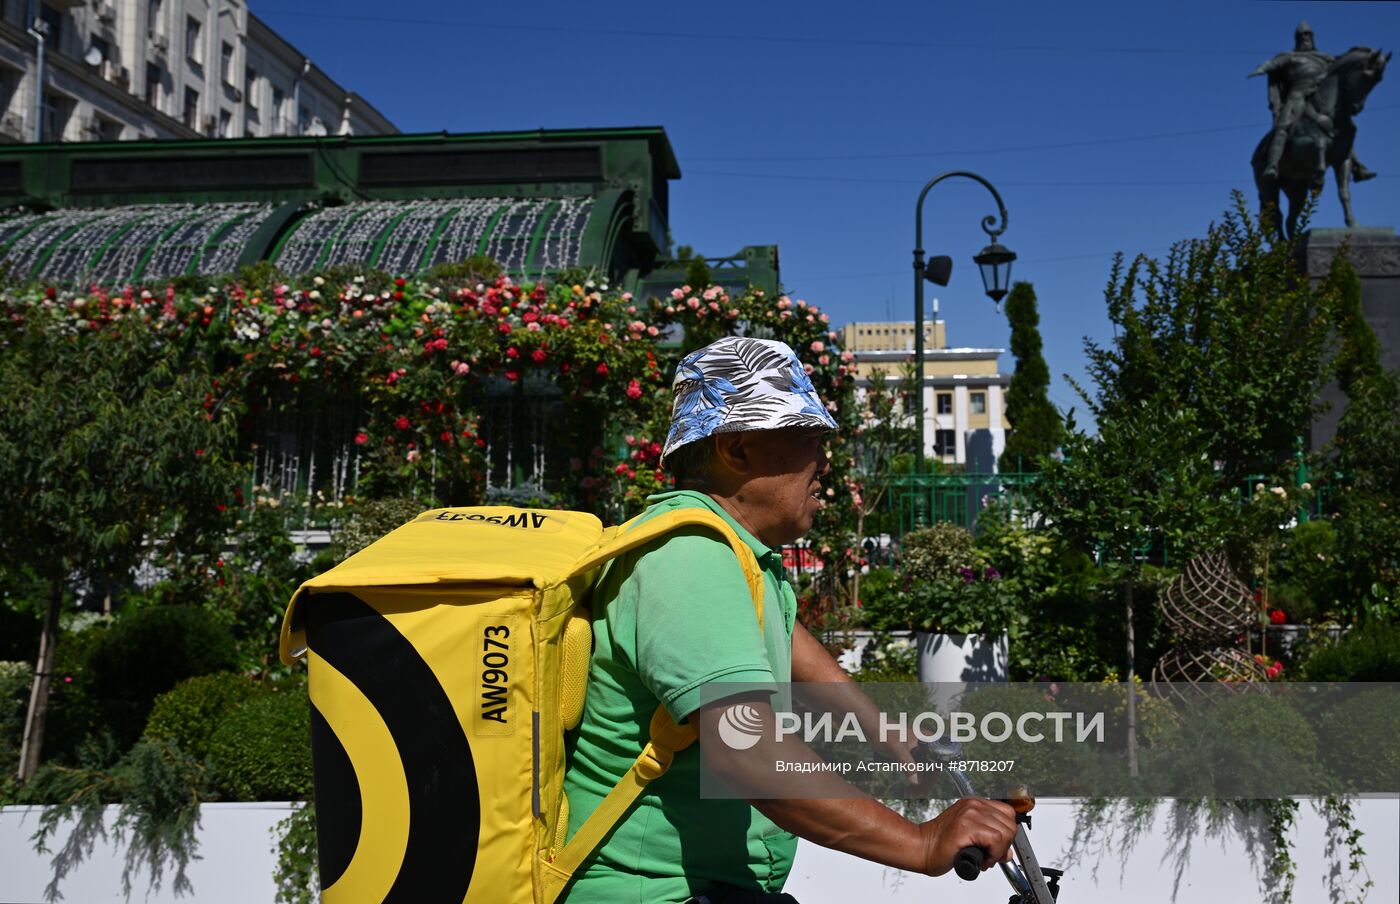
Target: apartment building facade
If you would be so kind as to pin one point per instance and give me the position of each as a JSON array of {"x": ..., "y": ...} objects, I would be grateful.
[
  {"x": 964, "y": 420},
  {"x": 121, "y": 70}
]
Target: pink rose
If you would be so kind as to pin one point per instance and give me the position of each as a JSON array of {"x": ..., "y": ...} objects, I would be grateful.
[
  {"x": 818, "y": 346},
  {"x": 692, "y": 303}
]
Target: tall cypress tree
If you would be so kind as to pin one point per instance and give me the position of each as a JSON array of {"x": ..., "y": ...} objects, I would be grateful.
[{"x": 1036, "y": 428}]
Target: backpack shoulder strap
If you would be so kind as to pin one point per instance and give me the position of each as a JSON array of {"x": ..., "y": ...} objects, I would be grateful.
[
  {"x": 667, "y": 737},
  {"x": 632, "y": 535}
]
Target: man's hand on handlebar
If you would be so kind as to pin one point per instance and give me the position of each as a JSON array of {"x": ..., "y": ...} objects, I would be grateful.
[{"x": 969, "y": 822}]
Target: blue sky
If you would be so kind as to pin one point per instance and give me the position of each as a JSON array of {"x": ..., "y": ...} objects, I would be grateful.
[{"x": 812, "y": 125}]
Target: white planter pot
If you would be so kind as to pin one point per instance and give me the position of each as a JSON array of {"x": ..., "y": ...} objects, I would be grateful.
[{"x": 954, "y": 658}]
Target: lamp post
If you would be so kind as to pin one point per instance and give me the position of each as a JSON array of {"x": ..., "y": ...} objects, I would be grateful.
[{"x": 994, "y": 262}]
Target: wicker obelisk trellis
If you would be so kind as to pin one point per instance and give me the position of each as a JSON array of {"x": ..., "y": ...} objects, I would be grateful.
[{"x": 1209, "y": 610}]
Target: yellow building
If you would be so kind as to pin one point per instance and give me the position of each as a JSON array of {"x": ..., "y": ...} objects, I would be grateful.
[{"x": 964, "y": 394}]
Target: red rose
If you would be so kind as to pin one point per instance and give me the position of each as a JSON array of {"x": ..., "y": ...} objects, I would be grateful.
[
  {"x": 634, "y": 390},
  {"x": 1278, "y": 617},
  {"x": 400, "y": 282},
  {"x": 602, "y": 368},
  {"x": 361, "y": 438},
  {"x": 401, "y": 423},
  {"x": 504, "y": 328},
  {"x": 538, "y": 356},
  {"x": 512, "y": 353},
  {"x": 512, "y": 375}
]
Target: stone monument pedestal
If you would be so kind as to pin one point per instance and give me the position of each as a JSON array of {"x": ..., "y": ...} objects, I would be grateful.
[{"x": 1375, "y": 253}]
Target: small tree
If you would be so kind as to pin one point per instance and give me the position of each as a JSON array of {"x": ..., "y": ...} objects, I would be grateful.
[
  {"x": 875, "y": 445},
  {"x": 1226, "y": 327},
  {"x": 129, "y": 467},
  {"x": 1036, "y": 429}
]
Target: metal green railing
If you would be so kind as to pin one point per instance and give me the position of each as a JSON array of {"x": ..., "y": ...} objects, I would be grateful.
[{"x": 957, "y": 497}]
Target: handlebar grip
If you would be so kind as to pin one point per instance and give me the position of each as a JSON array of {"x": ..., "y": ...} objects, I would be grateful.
[{"x": 968, "y": 863}]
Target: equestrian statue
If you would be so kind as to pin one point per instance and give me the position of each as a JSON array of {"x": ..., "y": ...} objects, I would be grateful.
[{"x": 1315, "y": 98}]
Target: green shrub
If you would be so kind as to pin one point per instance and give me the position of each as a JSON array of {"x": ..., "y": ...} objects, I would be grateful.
[
  {"x": 1368, "y": 653},
  {"x": 937, "y": 553},
  {"x": 1248, "y": 745},
  {"x": 1305, "y": 583},
  {"x": 473, "y": 270},
  {"x": 262, "y": 751},
  {"x": 145, "y": 654},
  {"x": 190, "y": 712},
  {"x": 15, "y": 679},
  {"x": 370, "y": 519},
  {"x": 881, "y": 601},
  {"x": 1361, "y": 747}
]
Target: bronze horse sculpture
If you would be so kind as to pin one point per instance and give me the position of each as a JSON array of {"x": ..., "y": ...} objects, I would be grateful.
[{"x": 1322, "y": 138}]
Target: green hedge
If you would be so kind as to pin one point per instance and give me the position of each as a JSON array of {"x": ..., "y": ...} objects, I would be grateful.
[
  {"x": 262, "y": 751},
  {"x": 148, "y": 652},
  {"x": 1367, "y": 747},
  {"x": 190, "y": 712},
  {"x": 1367, "y": 653}
]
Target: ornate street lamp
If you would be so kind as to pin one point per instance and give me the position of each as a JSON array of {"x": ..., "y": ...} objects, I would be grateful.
[{"x": 994, "y": 262}]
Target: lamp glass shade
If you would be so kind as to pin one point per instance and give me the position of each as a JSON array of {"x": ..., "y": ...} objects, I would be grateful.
[{"x": 995, "y": 263}]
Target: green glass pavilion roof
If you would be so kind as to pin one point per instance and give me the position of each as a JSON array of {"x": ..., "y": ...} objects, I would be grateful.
[
  {"x": 524, "y": 235},
  {"x": 147, "y": 241}
]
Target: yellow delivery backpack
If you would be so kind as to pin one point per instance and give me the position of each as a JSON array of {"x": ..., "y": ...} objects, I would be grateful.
[{"x": 446, "y": 662}]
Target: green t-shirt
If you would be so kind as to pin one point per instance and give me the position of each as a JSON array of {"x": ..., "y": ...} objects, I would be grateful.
[{"x": 668, "y": 618}]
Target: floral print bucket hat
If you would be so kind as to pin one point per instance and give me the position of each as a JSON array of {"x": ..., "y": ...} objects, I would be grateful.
[{"x": 738, "y": 383}]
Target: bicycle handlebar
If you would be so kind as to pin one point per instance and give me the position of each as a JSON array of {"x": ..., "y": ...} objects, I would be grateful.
[{"x": 968, "y": 863}]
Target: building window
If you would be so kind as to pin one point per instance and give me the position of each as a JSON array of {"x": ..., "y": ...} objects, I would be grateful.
[
  {"x": 945, "y": 443},
  {"x": 226, "y": 63},
  {"x": 944, "y": 402},
  {"x": 153, "y": 9},
  {"x": 279, "y": 100},
  {"x": 191, "y": 111},
  {"x": 153, "y": 77},
  {"x": 978, "y": 402},
  {"x": 108, "y": 129},
  {"x": 192, "y": 29},
  {"x": 9, "y": 87},
  {"x": 54, "y": 116},
  {"x": 51, "y": 23},
  {"x": 250, "y": 89},
  {"x": 225, "y": 124}
]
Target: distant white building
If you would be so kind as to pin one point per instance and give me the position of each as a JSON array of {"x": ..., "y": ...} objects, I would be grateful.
[
  {"x": 964, "y": 395},
  {"x": 132, "y": 69}
]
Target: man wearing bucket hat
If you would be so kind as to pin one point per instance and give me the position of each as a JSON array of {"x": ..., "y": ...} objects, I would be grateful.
[{"x": 746, "y": 442}]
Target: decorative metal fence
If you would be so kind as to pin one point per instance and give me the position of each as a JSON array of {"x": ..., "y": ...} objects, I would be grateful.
[{"x": 957, "y": 497}]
